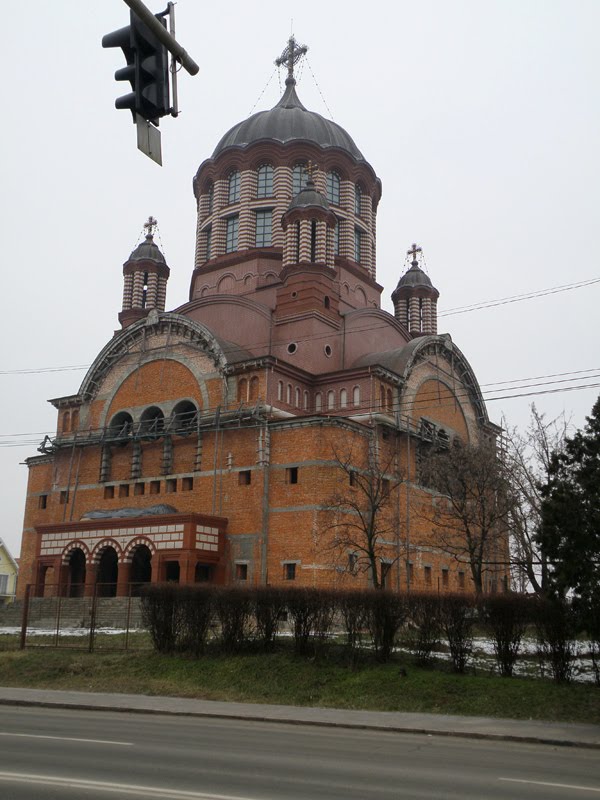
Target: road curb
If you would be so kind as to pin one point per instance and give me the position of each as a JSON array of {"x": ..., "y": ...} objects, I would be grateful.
[{"x": 463, "y": 734}]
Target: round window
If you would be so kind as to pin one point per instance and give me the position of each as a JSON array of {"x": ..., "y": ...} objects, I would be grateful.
[
  {"x": 292, "y": 347},
  {"x": 328, "y": 350}
]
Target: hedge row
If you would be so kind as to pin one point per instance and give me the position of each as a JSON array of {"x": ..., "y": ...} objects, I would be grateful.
[{"x": 184, "y": 619}]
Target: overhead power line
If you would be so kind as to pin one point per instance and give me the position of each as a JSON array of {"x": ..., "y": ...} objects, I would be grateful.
[{"x": 517, "y": 298}]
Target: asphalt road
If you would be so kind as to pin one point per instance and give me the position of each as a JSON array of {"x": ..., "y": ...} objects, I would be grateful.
[{"x": 47, "y": 754}]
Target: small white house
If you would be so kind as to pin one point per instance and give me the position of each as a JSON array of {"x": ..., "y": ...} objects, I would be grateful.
[{"x": 9, "y": 571}]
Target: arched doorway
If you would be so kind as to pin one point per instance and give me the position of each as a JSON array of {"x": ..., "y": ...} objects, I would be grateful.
[
  {"x": 76, "y": 573},
  {"x": 141, "y": 568},
  {"x": 108, "y": 572}
]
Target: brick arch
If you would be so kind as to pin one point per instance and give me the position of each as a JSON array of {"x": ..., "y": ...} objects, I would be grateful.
[
  {"x": 102, "y": 546},
  {"x": 138, "y": 335},
  {"x": 435, "y": 398},
  {"x": 227, "y": 283},
  {"x": 163, "y": 380},
  {"x": 76, "y": 544},
  {"x": 134, "y": 544}
]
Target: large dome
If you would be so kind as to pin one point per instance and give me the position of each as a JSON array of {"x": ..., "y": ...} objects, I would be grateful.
[{"x": 288, "y": 121}]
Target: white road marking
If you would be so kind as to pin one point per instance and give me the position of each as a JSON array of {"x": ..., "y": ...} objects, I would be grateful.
[
  {"x": 65, "y": 738},
  {"x": 121, "y": 788},
  {"x": 554, "y": 785}
]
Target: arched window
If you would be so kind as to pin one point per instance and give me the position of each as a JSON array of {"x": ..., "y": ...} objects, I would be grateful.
[
  {"x": 330, "y": 399},
  {"x": 318, "y": 402},
  {"x": 357, "y": 199},
  {"x": 313, "y": 240},
  {"x": 299, "y": 176},
  {"x": 297, "y": 397},
  {"x": 305, "y": 400},
  {"x": 208, "y": 234},
  {"x": 121, "y": 426},
  {"x": 390, "y": 400},
  {"x": 264, "y": 184},
  {"x": 336, "y": 237},
  {"x": 211, "y": 197},
  {"x": 356, "y": 396},
  {"x": 327, "y": 302},
  {"x": 152, "y": 422},
  {"x": 253, "y": 389},
  {"x": 75, "y": 420},
  {"x": 233, "y": 193},
  {"x": 184, "y": 417},
  {"x": 288, "y": 396},
  {"x": 242, "y": 390},
  {"x": 280, "y": 390},
  {"x": 358, "y": 245},
  {"x": 343, "y": 398},
  {"x": 333, "y": 187},
  {"x": 381, "y": 396},
  {"x": 231, "y": 240},
  {"x": 264, "y": 226},
  {"x": 66, "y": 422}
]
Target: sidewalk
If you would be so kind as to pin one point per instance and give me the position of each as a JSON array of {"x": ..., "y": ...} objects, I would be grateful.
[{"x": 553, "y": 733}]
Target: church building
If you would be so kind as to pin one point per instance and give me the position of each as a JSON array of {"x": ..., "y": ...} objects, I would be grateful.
[{"x": 216, "y": 442}]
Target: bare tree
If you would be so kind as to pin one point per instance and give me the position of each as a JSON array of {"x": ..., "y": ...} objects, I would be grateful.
[
  {"x": 528, "y": 456},
  {"x": 363, "y": 519},
  {"x": 470, "y": 515}
]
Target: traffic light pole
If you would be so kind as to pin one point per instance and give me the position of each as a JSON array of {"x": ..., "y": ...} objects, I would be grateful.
[{"x": 161, "y": 33}]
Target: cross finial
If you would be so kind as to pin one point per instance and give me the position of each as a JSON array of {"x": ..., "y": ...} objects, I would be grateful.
[
  {"x": 311, "y": 170},
  {"x": 291, "y": 55},
  {"x": 150, "y": 226},
  {"x": 413, "y": 252}
]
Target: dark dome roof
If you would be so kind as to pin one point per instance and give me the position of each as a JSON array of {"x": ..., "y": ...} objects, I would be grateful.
[
  {"x": 147, "y": 250},
  {"x": 309, "y": 197},
  {"x": 286, "y": 122},
  {"x": 414, "y": 277}
]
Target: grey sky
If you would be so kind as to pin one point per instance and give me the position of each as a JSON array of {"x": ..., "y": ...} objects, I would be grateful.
[{"x": 481, "y": 118}]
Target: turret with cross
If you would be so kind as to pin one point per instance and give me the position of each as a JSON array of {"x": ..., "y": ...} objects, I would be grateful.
[
  {"x": 415, "y": 298},
  {"x": 145, "y": 276}
]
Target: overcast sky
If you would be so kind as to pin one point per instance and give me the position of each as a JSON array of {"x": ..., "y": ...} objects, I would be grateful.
[{"x": 481, "y": 118}]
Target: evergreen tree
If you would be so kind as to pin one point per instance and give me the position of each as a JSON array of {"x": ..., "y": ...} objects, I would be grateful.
[{"x": 570, "y": 531}]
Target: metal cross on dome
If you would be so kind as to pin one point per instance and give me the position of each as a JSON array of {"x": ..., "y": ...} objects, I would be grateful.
[
  {"x": 291, "y": 55},
  {"x": 150, "y": 226},
  {"x": 413, "y": 252}
]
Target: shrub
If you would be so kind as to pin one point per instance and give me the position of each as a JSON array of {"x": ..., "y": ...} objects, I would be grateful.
[
  {"x": 269, "y": 605},
  {"x": 197, "y": 610},
  {"x": 425, "y": 618},
  {"x": 457, "y": 617},
  {"x": 387, "y": 612},
  {"x": 234, "y": 607},
  {"x": 555, "y": 623},
  {"x": 304, "y": 607},
  {"x": 507, "y": 616},
  {"x": 589, "y": 611},
  {"x": 354, "y": 608},
  {"x": 161, "y": 614}
]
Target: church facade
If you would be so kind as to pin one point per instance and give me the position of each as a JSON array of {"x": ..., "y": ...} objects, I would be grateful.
[{"x": 218, "y": 442}]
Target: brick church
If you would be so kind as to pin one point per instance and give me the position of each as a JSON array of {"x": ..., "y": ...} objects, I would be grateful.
[{"x": 216, "y": 442}]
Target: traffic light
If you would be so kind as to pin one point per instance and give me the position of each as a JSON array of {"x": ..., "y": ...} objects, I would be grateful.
[{"x": 147, "y": 70}]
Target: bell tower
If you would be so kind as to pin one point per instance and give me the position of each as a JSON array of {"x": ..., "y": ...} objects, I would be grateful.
[
  {"x": 145, "y": 276},
  {"x": 415, "y": 299}
]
